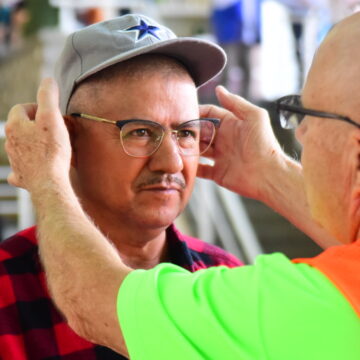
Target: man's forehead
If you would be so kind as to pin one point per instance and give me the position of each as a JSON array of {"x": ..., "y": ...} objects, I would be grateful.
[
  {"x": 147, "y": 100},
  {"x": 140, "y": 66},
  {"x": 128, "y": 85}
]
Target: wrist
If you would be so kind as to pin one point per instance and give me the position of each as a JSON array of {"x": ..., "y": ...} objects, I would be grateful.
[
  {"x": 53, "y": 190},
  {"x": 279, "y": 178}
]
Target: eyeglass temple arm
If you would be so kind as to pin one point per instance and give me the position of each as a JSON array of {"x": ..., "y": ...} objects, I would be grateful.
[
  {"x": 315, "y": 113},
  {"x": 301, "y": 110},
  {"x": 90, "y": 117}
]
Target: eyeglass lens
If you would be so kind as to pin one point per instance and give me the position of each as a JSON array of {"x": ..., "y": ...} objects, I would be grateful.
[
  {"x": 143, "y": 138},
  {"x": 289, "y": 118}
]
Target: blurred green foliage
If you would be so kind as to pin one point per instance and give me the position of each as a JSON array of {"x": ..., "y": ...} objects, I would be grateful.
[{"x": 42, "y": 14}]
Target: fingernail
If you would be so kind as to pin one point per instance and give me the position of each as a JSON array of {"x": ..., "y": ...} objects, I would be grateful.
[
  {"x": 223, "y": 89},
  {"x": 47, "y": 82}
]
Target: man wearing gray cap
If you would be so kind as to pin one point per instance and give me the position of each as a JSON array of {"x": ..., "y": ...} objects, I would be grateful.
[
  {"x": 125, "y": 85},
  {"x": 140, "y": 115}
]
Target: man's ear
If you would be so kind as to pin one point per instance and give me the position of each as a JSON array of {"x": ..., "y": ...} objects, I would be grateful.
[{"x": 72, "y": 129}]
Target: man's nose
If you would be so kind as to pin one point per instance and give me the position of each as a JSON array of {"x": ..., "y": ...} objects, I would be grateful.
[{"x": 167, "y": 158}]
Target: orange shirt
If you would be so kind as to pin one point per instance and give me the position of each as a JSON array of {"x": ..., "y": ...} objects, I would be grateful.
[{"x": 341, "y": 264}]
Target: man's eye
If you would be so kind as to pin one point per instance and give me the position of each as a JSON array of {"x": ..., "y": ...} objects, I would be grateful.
[
  {"x": 140, "y": 133},
  {"x": 187, "y": 134}
]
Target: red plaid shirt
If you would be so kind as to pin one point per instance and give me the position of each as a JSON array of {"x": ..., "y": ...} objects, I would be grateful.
[{"x": 31, "y": 328}]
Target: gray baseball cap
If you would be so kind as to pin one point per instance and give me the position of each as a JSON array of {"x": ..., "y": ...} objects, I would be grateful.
[{"x": 101, "y": 45}]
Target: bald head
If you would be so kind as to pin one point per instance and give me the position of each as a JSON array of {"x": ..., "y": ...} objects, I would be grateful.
[
  {"x": 333, "y": 82},
  {"x": 331, "y": 148}
]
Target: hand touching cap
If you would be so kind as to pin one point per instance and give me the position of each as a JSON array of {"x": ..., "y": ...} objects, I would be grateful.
[{"x": 37, "y": 141}]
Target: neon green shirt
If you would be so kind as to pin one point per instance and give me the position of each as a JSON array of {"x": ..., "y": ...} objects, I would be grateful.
[{"x": 273, "y": 310}]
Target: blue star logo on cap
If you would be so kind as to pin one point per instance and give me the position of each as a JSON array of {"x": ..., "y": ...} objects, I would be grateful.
[{"x": 144, "y": 30}]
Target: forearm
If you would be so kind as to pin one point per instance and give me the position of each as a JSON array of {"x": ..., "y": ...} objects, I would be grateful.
[
  {"x": 285, "y": 193},
  {"x": 84, "y": 271}
]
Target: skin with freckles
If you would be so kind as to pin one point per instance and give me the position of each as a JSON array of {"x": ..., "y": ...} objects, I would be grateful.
[{"x": 333, "y": 191}]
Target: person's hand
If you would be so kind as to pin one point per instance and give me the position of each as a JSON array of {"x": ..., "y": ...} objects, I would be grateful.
[
  {"x": 245, "y": 151},
  {"x": 37, "y": 141}
]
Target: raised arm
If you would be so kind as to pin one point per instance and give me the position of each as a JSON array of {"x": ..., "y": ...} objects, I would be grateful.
[
  {"x": 83, "y": 269},
  {"x": 249, "y": 161}
]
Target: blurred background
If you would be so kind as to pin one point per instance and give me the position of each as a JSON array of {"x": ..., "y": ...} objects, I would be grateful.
[{"x": 270, "y": 44}]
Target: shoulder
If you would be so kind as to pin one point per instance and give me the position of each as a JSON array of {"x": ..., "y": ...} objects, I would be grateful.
[
  {"x": 19, "y": 245},
  {"x": 214, "y": 254},
  {"x": 269, "y": 306},
  {"x": 21, "y": 273}
]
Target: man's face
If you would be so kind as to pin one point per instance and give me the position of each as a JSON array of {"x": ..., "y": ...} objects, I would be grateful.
[
  {"x": 328, "y": 160},
  {"x": 331, "y": 154},
  {"x": 138, "y": 193}
]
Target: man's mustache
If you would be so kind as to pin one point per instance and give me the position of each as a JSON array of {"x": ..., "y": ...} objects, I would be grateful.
[{"x": 167, "y": 179}]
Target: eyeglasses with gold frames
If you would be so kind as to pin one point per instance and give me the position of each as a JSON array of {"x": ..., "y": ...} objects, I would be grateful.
[{"x": 141, "y": 138}]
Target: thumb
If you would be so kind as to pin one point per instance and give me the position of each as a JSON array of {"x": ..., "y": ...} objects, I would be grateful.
[
  {"x": 234, "y": 103},
  {"x": 48, "y": 101}
]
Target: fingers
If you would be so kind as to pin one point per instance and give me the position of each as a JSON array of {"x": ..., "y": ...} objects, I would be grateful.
[
  {"x": 48, "y": 101},
  {"x": 22, "y": 111},
  {"x": 234, "y": 103},
  {"x": 13, "y": 180},
  {"x": 48, "y": 95},
  {"x": 30, "y": 110},
  {"x": 33, "y": 147},
  {"x": 212, "y": 111}
]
